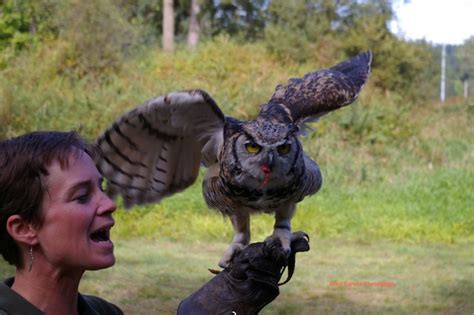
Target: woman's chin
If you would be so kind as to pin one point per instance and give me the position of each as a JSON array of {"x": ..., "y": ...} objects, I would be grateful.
[
  {"x": 103, "y": 256},
  {"x": 102, "y": 263}
]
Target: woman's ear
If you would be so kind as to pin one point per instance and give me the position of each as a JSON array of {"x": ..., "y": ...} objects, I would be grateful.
[{"x": 22, "y": 231}]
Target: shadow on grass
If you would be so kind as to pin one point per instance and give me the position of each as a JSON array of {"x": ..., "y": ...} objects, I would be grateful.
[{"x": 459, "y": 294}]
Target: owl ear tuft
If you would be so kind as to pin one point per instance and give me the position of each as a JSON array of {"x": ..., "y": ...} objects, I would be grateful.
[
  {"x": 231, "y": 127},
  {"x": 294, "y": 130}
]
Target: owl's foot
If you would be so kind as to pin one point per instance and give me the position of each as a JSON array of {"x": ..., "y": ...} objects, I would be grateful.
[
  {"x": 280, "y": 254},
  {"x": 280, "y": 236},
  {"x": 299, "y": 235},
  {"x": 231, "y": 251}
]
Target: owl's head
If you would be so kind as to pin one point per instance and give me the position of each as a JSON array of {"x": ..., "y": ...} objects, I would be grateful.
[{"x": 261, "y": 153}]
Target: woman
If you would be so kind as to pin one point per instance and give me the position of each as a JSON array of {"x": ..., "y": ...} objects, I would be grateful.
[{"x": 54, "y": 224}]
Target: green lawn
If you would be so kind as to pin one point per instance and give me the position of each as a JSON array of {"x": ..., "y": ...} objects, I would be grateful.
[
  {"x": 152, "y": 276},
  {"x": 431, "y": 206}
]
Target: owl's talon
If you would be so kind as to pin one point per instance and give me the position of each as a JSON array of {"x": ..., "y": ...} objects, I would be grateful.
[
  {"x": 281, "y": 256},
  {"x": 299, "y": 235},
  {"x": 273, "y": 248},
  {"x": 228, "y": 256},
  {"x": 278, "y": 247}
]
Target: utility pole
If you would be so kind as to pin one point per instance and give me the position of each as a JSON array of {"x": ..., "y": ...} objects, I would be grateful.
[{"x": 442, "y": 95}]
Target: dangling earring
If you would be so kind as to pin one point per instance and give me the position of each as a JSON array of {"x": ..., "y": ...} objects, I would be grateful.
[{"x": 30, "y": 264}]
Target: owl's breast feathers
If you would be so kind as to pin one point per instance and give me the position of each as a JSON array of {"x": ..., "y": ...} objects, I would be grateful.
[{"x": 225, "y": 195}]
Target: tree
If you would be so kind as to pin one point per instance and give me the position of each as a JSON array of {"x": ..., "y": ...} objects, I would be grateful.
[
  {"x": 310, "y": 30},
  {"x": 146, "y": 15},
  {"x": 465, "y": 56},
  {"x": 194, "y": 25},
  {"x": 168, "y": 25},
  {"x": 25, "y": 22},
  {"x": 239, "y": 18},
  {"x": 97, "y": 34},
  {"x": 398, "y": 65}
]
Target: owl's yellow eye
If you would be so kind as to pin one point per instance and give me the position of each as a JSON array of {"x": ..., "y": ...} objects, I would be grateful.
[
  {"x": 284, "y": 148},
  {"x": 253, "y": 148}
]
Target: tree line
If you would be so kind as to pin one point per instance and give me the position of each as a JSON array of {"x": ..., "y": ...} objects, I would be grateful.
[{"x": 99, "y": 35}]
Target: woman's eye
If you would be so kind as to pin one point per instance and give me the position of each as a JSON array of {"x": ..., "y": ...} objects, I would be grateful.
[
  {"x": 253, "y": 148},
  {"x": 82, "y": 196},
  {"x": 284, "y": 148},
  {"x": 83, "y": 199}
]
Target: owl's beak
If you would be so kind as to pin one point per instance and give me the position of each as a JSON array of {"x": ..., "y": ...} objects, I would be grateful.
[{"x": 267, "y": 164}]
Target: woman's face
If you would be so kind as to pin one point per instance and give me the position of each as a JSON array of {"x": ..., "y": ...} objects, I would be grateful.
[{"x": 77, "y": 217}]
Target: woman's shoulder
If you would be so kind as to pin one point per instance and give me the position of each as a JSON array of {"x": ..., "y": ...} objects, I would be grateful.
[
  {"x": 98, "y": 305},
  {"x": 11, "y": 303}
]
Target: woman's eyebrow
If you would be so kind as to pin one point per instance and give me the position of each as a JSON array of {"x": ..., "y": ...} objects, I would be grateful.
[{"x": 82, "y": 184}]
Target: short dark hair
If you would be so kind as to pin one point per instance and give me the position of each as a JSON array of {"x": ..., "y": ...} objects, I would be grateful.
[{"x": 23, "y": 164}]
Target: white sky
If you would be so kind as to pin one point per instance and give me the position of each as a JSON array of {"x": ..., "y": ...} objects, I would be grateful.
[{"x": 437, "y": 21}]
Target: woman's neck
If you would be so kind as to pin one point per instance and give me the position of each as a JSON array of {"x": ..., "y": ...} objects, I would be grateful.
[{"x": 51, "y": 292}]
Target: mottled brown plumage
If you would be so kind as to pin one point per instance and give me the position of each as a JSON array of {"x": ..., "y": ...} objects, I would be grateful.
[{"x": 259, "y": 165}]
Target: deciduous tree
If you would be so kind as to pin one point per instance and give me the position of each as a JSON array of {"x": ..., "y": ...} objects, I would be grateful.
[
  {"x": 194, "y": 25},
  {"x": 168, "y": 25}
]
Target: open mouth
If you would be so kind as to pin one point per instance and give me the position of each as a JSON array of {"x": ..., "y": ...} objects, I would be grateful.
[{"x": 102, "y": 235}]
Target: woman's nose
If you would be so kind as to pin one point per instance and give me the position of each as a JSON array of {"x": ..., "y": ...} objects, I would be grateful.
[{"x": 106, "y": 204}]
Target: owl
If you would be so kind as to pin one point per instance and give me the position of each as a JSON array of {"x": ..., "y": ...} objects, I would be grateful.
[{"x": 156, "y": 149}]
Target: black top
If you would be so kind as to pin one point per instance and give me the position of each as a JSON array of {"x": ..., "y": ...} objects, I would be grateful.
[{"x": 11, "y": 303}]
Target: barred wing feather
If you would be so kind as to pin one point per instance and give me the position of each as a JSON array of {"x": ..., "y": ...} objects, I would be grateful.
[
  {"x": 155, "y": 150},
  {"x": 317, "y": 93}
]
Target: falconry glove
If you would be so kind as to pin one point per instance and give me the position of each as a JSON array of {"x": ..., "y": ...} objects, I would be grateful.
[{"x": 249, "y": 283}]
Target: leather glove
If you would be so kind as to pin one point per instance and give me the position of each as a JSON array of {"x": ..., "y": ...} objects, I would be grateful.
[{"x": 249, "y": 283}]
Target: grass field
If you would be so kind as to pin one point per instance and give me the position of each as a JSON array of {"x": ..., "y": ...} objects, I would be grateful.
[
  {"x": 152, "y": 276},
  {"x": 427, "y": 206}
]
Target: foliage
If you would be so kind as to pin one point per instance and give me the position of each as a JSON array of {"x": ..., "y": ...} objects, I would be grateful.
[
  {"x": 241, "y": 18},
  {"x": 49, "y": 90},
  {"x": 320, "y": 32},
  {"x": 145, "y": 13},
  {"x": 304, "y": 30},
  {"x": 465, "y": 55},
  {"x": 325, "y": 31},
  {"x": 94, "y": 34},
  {"x": 97, "y": 36},
  {"x": 397, "y": 65},
  {"x": 22, "y": 22},
  {"x": 14, "y": 27}
]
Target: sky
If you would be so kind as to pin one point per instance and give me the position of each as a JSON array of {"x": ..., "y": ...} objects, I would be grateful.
[{"x": 437, "y": 21}]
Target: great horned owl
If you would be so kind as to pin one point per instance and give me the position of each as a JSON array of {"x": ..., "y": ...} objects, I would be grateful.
[{"x": 156, "y": 149}]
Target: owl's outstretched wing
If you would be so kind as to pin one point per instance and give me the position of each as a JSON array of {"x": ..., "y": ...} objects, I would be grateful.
[
  {"x": 156, "y": 149},
  {"x": 317, "y": 93}
]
